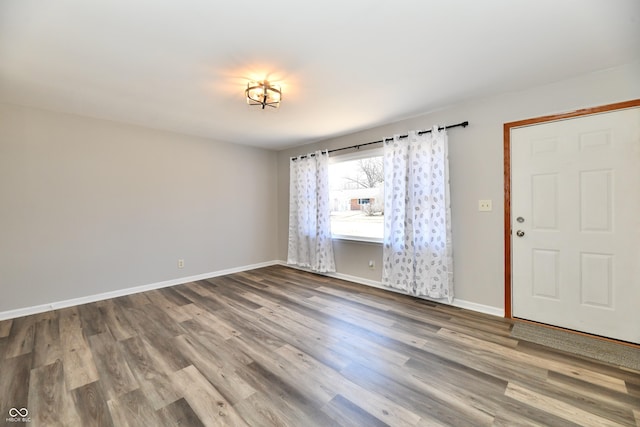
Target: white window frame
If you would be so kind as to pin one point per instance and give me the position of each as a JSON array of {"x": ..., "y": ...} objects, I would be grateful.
[{"x": 357, "y": 155}]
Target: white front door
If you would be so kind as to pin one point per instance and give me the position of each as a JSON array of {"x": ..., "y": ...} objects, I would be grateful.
[{"x": 575, "y": 221}]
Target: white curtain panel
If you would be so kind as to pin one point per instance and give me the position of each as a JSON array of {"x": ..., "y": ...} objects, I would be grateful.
[
  {"x": 417, "y": 253},
  {"x": 309, "y": 222}
]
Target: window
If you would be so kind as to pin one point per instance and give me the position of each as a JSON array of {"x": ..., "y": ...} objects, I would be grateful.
[{"x": 356, "y": 191}]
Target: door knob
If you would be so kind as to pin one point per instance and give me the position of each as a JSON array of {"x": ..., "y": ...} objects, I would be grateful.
[{"x": 519, "y": 233}]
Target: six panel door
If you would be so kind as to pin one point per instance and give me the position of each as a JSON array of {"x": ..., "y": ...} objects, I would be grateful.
[{"x": 575, "y": 207}]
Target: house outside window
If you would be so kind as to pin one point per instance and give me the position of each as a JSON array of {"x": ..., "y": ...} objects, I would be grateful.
[{"x": 356, "y": 189}]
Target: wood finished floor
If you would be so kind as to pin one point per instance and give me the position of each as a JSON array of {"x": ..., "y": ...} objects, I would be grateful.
[{"x": 281, "y": 347}]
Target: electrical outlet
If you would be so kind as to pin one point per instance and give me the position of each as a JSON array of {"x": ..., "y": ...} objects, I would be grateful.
[
  {"x": 484, "y": 206},
  {"x": 372, "y": 264},
  {"x": 180, "y": 263}
]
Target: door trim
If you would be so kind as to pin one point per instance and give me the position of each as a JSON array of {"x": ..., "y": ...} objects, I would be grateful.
[{"x": 507, "y": 178}]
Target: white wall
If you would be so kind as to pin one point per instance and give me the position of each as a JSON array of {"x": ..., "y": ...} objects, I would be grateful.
[
  {"x": 91, "y": 206},
  {"x": 476, "y": 162}
]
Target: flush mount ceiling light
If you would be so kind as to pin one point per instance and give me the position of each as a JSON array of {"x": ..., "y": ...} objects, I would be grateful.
[{"x": 264, "y": 94}]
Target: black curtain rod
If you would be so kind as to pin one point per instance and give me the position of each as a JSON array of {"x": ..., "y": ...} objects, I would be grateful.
[{"x": 357, "y": 146}]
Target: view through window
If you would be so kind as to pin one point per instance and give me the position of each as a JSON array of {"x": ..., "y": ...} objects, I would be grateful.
[{"x": 356, "y": 191}]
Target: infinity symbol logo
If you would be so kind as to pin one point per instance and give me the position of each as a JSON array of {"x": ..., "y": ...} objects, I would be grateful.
[{"x": 22, "y": 412}]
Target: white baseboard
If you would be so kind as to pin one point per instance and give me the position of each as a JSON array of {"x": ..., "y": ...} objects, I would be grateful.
[
  {"x": 481, "y": 308},
  {"x": 11, "y": 314}
]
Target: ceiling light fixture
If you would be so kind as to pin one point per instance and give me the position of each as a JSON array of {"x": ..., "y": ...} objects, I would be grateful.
[{"x": 264, "y": 94}]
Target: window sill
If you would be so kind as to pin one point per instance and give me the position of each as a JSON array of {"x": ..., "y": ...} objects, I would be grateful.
[{"x": 376, "y": 240}]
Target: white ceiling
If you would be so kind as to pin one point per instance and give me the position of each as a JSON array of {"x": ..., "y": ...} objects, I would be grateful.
[{"x": 344, "y": 65}]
